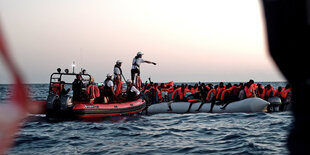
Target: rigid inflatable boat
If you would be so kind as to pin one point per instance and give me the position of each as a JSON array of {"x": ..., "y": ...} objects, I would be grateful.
[
  {"x": 103, "y": 110},
  {"x": 249, "y": 105},
  {"x": 62, "y": 105}
]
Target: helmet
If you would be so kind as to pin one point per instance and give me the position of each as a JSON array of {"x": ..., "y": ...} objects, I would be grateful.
[
  {"x": 139, "y": 53},
  {"x": 119, "y": 62},
  {"x": 129, "y": 81},
  {"x": 109, "y": 75}
]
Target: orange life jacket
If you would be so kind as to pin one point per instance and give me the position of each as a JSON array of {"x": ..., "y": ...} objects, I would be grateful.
[
  {"x": 249, "y": 92},
  {"x": 194, "y": 90},
  {"x": 93, "y": 91},
  {"x": 209, "y": 94},
  {"x": 285, "y": 92},
  {"x": 225, "y": 91},
  {"x": 279, "y": 93},
  {"x": 180, "y": 93},
  {"x": 270, "y": 92},
  {"x": 119, "y": 88},
  {"x": 169, "y": 84},
  {"x": 219, "y": 91},
  {"x": 262, "y": 95}
]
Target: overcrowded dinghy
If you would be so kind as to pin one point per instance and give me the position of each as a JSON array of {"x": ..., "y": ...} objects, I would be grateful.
[{"x": 249, "y": 105}]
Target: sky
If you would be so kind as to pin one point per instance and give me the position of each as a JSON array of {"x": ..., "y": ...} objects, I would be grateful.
[{"x": 190, "y": 40}]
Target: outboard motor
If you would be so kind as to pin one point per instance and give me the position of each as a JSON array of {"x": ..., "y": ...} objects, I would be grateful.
[
  {"x": 52, "y": 102},
  {"x": 275, "y": 103},
  {"x": 58, "y": 106},
  {"x": 66, "y": 102}
]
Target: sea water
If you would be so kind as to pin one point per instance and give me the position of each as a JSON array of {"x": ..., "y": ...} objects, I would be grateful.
[{"x": 202, "y": 133}]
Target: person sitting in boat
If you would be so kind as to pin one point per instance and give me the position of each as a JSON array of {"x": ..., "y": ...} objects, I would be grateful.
[
  {"x": 286, "y": 97},
  {"x": 211, "y": 96},
  {"x": 92, "y": 91},
  {"x": 194, "y": 89},
  {"x": 153, "y": 93},
  {"x": 136, "y": 62},
  {"x": 100, "y": 99},
  {"x": 241, "y": 94},
  {"x": 179, "y": 94},
  {"x": 261, "y": 92},
  {"x": 226, "y": 96},
  {"x": 249, "y": 89},
  {"x": 235, "y": 92},
  {"x": 219, "y": 91},
  {"x": 132, "y": 92},
  {"x": 279, "y": 91},
  {"x": 59, "y": 88},
  {"x": 108, "y": 89},
  {"x": 270, "y": 92},
  {"x": 77, "y": 86},
  {"x": 63, "y": 91},
  {"x": 199, "y": 93}
]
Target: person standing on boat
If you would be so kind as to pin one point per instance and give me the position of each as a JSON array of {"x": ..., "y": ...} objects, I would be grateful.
[
  {"x": 108, "y": 88},
  {"x": 136, "y": 62},
  {"x": 117, "y": 72},
  {"x": 77, "y": 86},
  {"x": 118, "y": 78}
]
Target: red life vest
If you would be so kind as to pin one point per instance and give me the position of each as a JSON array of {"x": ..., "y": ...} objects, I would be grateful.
[
  {"x": 209, "y": 94},
  {"x": 249, "y": 92},
  {"x": 219, "y": 91},
  {"x": 180, "y": 93},
  {"x": 285, "y": 92},
  {"x": 119, "y": 88},
  {"x": 194, "y": 90},
  {"x": 279, "y": 93},
  {"x": 93, "y": 91},
  {"x": 225, "y": 91},
  {"x": 270, "y": 92},
  {"x": 262, "y": 95},
  {"x": 57, "y": 87},
  {"x": 169, "y": 84}
]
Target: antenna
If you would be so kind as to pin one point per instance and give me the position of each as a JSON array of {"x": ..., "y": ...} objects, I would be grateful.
[{"x": 73, "y": 66}]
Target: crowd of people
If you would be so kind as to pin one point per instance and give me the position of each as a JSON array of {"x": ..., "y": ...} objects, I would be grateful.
[
  {"x": 218, "y": 94},
  {"x": 111, "y": 90}
]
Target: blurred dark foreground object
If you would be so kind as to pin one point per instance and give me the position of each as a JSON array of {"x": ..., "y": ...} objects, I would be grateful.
[{"x": 288, "y": 27}]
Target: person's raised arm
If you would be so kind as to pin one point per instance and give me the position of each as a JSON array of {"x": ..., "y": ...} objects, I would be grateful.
[{"x": 149, "y": 62}]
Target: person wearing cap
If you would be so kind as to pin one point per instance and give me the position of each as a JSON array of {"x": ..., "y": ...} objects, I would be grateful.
[
  {"x": 118, "y": 78},
  {"x": 136, "y": 62},
  {"x": 108, "y": 88},
  {"x": 118, "y": 71},
  {"x": 132, "y": 92}
]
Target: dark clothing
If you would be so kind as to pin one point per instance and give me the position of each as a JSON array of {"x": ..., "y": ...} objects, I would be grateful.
[
  {"x": 77, "y": 86},
  {"x": 131, "y": 96},
  {"x": 107, "y": 92},
  {"x": 100, "y": 99},
  {"x": 133, "y": 72}
]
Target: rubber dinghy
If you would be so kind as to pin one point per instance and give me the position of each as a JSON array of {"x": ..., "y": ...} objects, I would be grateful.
[{"x": 249, "y": 105}]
